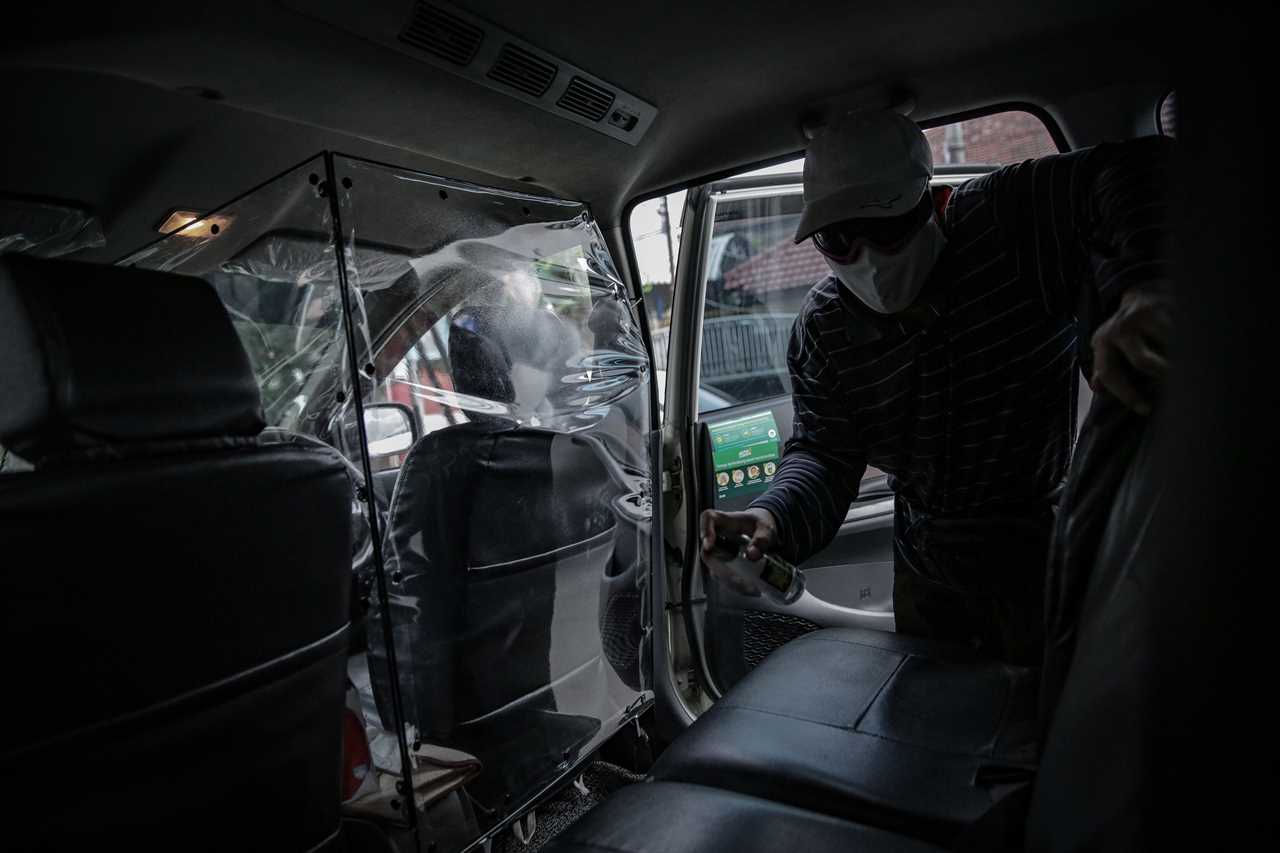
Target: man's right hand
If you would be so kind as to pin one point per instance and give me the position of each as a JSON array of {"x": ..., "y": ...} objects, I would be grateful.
[
  {"x": 756, "y": 523},
  {"x": 1129, "y": 348}
]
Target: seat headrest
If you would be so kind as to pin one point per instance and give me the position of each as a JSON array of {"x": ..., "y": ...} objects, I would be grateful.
[{"x": 94, "y": 355}]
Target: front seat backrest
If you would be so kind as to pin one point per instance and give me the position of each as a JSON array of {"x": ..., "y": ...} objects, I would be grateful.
[
  {"x": 499, "y": 540},
  {"x": 174, "y": 586}
]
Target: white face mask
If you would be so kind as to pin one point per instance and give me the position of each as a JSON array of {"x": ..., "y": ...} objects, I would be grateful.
[{"x": 889, "y": 283}]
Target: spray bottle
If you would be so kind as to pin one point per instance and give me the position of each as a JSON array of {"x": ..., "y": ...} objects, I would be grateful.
[{"x": 770, "y": 575}]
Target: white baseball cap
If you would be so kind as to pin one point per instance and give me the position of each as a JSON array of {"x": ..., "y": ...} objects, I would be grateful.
[{"x": 867, "y": 164}]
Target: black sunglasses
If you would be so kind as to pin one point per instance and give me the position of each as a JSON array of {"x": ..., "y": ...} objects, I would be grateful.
[{"x": 841, "y": 240}]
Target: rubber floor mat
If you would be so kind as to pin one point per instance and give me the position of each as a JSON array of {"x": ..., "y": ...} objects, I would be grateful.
[{"x": 554, "y": 816}]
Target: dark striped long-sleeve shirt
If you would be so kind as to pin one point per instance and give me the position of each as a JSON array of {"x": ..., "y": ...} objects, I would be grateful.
[{"x": 970, "y": 410}]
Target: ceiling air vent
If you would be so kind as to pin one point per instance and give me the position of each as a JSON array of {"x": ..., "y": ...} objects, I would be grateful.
[
  {"x": 520, "y": 69},
  {"x": 446, "y": 35},
  {"x": 586, "y": 99},
  {"x": 454, "y": 40}
]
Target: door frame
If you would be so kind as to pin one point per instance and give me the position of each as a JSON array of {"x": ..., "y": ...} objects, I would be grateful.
[{"x": 688, "y": 687}]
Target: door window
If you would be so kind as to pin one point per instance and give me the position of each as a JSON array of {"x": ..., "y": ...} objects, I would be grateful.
[
  {"x": 655, "y": 227},
  {"x": 756, "y": 277}
]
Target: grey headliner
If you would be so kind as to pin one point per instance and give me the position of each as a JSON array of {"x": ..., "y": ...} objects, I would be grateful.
[{"x": 94, "y": 114}]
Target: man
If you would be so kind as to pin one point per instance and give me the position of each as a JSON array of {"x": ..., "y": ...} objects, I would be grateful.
[
  {"x": 942, "y": 350},
  {"x": 504, "y": 346}
]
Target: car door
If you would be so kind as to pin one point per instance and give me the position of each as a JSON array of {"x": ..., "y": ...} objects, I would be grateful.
[{"x": 744, "y": 278}]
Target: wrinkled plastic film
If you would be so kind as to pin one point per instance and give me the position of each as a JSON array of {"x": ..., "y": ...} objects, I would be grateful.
[
  {"x": 46, "y": 229},
  {"x": 517, "y": 529},
  {"x": 270, "y": 256},
  {"x": 517, "y": 540},
  {"x": 273, "y": 259}
]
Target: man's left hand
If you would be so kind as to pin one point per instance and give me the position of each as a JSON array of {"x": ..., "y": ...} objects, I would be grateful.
[{"x": 1129, "y": 349}]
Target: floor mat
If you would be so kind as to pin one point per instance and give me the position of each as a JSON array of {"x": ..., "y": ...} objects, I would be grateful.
[{"x": 557, "y": 814}]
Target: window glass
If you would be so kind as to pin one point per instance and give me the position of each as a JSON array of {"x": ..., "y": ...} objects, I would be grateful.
[
  {"x": 756, "y": 277},
  {"x": 655, "y": 238},
  {"x": 999, "y": 139}
]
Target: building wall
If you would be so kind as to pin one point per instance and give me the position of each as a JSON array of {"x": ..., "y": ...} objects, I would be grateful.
[{"x": 998, "y": 139}]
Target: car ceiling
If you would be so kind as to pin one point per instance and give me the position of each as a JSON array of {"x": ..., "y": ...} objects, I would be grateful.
[{"x": 135, "y": 109}]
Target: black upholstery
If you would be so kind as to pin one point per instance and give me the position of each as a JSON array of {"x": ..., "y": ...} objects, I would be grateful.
[
  {"x": 886, "y": 729},
  {"x": 1094, "y": 761},
  {"x": 1108, "y": 440},
  {"x": 494, "y": 531},
  {"x": 95, "y": 356},
  {"x": 666, "y": 817},
  {"x": 174, "y": 589}
]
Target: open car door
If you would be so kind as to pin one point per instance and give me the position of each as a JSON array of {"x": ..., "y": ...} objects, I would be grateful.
[{"x": 740, "y": 281}]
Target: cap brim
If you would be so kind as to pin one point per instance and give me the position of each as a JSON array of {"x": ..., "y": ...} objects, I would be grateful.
[{"x": 869, "y": 202}]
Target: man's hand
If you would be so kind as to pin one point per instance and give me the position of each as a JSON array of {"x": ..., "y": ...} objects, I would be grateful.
[
  {"x": 756, "y": 523},
  {"x": 1129, "y": 350}
]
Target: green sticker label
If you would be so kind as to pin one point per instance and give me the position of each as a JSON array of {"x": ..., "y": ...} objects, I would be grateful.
[{"x": 745, "y": 453}]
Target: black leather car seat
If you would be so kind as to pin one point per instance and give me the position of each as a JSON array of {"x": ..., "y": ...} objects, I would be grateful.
[
  {"x": 174, "y": 586},
  {"x": 502, "y": 541}
]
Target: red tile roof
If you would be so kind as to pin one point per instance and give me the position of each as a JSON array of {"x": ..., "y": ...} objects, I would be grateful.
[{"x": 782, "y": 266}]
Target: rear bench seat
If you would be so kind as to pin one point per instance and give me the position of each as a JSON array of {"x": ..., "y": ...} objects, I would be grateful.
[
  {"x": 897, "y": 731},
  {"x": 903, "y": 732},
  {"x": 861, "y": 740}
]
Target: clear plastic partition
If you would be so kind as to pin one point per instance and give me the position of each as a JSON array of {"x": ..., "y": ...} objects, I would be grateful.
[
  {"x": 271, "y": 256},
  {"x": 496, "y": 414},
  {"x": 516, "y": 539}
]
